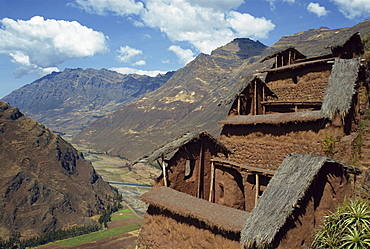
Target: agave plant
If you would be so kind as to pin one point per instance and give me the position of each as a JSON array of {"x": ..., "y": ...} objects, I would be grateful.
[{"x": 347, "y": 227}]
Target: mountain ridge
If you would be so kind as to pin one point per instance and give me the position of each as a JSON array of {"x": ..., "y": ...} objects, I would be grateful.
[
  {"x": 45, "y": 184},
  {"x": 68, "y": 101}
]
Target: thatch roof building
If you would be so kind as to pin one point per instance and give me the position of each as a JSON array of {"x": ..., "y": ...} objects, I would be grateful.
[
  {"x": 213, "y": 215},
  {"x": 300, "y": 180},
  {"x": 345, "y": 44},
  {"x": 246, "y": 95},
  {"x": 178, "y": 220},
  {"x": 341, "y": 88},
  {"x": 284, "y": 56},
  {"x": 167, "y": 150}
]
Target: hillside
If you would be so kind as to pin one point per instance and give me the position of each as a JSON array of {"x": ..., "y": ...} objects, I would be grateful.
[
  {"x": 68, "y": 101},
  {"x": 187, "y": 97},
  {"x": 45, "y": 184},
  {"x": 189, "y": 100}
]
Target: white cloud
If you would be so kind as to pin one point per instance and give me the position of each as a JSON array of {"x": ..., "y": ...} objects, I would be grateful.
[
  {"x": 184, "y": 55},
  {"x": 204, "y": 24},
  {"x": 272, "y": 2},
  {"x": 139, "y": 63},
  {"x": 37, "y": 45},
  {"x": 127, "y": 70},
  {"x": 126, "y": 53},
  {"x": 353, "y": 8},
  {"x": 103, "y": 7},
  {"x": 217, "y": 4},
  {"x": 317, "y": 9}
]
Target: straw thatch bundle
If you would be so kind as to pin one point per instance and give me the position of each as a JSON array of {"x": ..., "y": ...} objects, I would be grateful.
[
  {"x": 286, "y": 189},
  {"x": 341, "y": 88},
  {"x": 213, "y": 215},
  {"x": 275, "y": 118},
  {"x": 173, "y": 146}
]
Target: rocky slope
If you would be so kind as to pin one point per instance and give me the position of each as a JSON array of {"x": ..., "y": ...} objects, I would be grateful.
[
  {"x": 187, "y": 97},
  {"x": 45, "y": 184},
  {"x": 68, "y": 101},
  {"x": 189, "y": 100}
]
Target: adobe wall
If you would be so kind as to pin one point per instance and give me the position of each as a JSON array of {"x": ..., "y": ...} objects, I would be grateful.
[
  {"x": 229, "y": 190},
  {"x": 163, "y": 229},
  {"x": 176, "y": 177},
  {"x": 264, "y": 146},
  {"x": 327, "y": 192},
  {"x": 303, "y": 84}
]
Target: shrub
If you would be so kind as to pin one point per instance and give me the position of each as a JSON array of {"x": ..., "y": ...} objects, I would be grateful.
[{"x": 347, "y": 227}]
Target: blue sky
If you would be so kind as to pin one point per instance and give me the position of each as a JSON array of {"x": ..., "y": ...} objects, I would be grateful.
[{"x": 146, "y": 36}]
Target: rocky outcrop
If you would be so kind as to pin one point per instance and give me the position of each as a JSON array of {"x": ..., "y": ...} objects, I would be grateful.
[{"x": 45, "y": 184}]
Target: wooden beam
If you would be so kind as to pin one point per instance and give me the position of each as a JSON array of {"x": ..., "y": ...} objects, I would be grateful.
[
  {"x": 211, "y": 188},
  {"x": 257, "y": 189},
  {"x": 255, "y": 97},
  {"x": 199, "y": 192},
  {"x": 263, "y": 99},
  {"x": 238, "y": 105},
  {"x": 164, "y": 172}
]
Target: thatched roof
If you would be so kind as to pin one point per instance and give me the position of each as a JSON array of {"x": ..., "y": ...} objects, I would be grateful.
[
  {"x": 239, "y": 87},
  {"x": 276, "y": 118},
  {"x": 167, "y": 150},
  {"x": 286, "y": 188},
  {"x": 341, "y": 87},
  {"x": 338, "y": 39},
  {"x": 214, "y": 215},
  {"x": 278, "y": 51}
]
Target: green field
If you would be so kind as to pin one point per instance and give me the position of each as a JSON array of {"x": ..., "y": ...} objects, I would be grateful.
[
  {"x": 86, "y": 238},
  {"x": 122, "y": 217},
  {"x": 98, "y": 235}
]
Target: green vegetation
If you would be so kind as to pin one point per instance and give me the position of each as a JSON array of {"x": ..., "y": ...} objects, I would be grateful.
[
  {"x": 347, "y": 227},
  {"x": 121, "y": 217},
  {"x": 328, "y": 145},
  {"x": 123, "y": 211},
  {"x": 15, "y": 242},
  {"x": 366, "y": 42},
  {"x": 98, "y": 235}
]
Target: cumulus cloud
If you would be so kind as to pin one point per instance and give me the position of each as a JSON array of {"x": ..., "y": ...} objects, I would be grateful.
[
  {"x": 184, "y": 55},
  {"x": 353, "y": 8},
  {"x": 139, "y": 63},
  {"x": 204, "y": 24},
  {"x": 315, "y": 8},
  {"x": 128, "y": 54},
  {"x": 37, "y": 45},
  {"x": 127, "y": 70}
]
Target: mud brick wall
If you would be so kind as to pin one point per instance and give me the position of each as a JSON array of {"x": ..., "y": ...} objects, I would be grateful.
[{"x": 310, "y": 86}]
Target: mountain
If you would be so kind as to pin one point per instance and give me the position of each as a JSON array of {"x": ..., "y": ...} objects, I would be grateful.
[
  {"x": 68, "y": 101},
  {"x": 185, "y": 102},
  {"x": 189, "y": 100},
  {"x": 45, "y": 184}
]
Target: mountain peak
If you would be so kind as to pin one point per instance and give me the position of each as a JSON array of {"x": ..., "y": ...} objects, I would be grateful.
[{"x": 239, "y": 49}]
